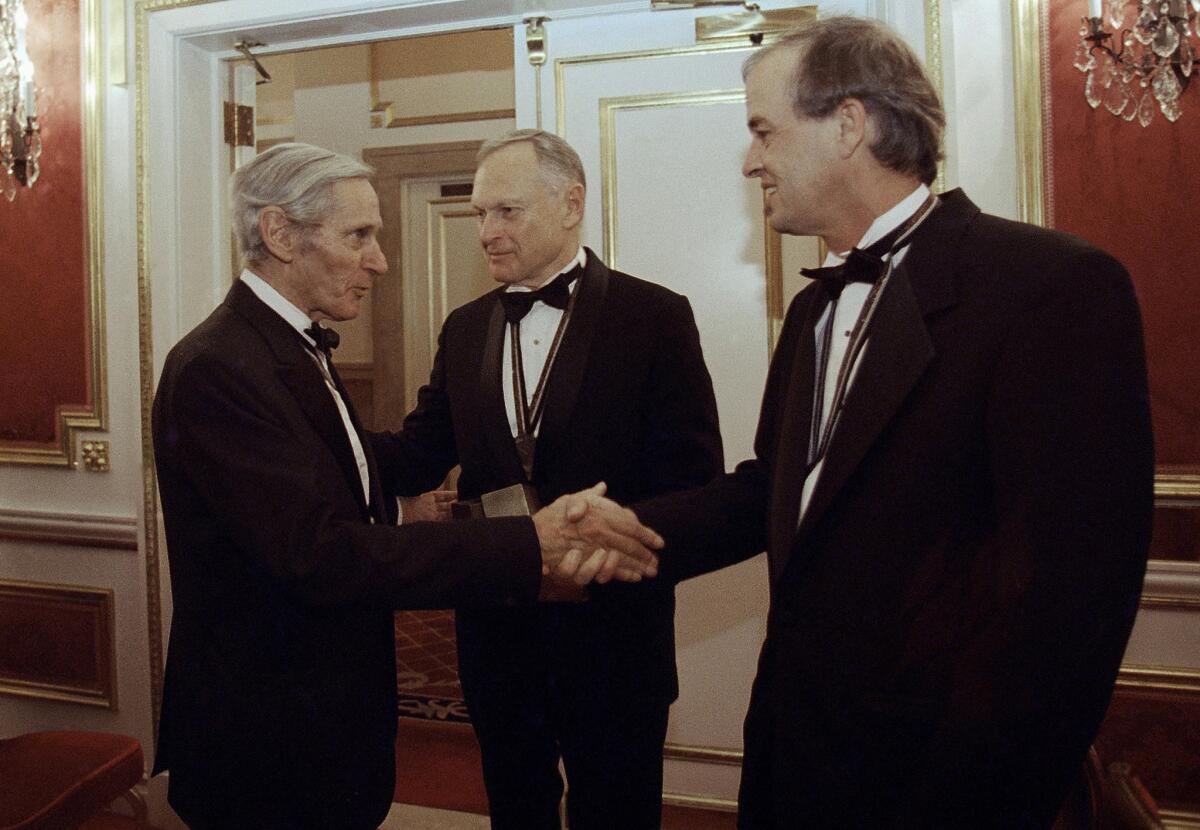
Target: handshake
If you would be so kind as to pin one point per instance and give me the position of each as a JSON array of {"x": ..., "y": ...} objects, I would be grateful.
[{"x": 584, "y": 537}]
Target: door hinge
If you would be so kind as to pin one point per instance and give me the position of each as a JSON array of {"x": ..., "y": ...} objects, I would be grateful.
[{"x": 239, "y": 125}]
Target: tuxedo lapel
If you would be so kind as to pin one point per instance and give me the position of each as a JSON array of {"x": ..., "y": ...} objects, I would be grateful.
[
  {"x": 303, "y": 380},
  {"x": 893, "y": 361},
  {"x": 566, "y": 375},
  {"x": 493, "y": 414},
  {"x": 791, "y": 457},
  {"x": 899, "y": 347}
]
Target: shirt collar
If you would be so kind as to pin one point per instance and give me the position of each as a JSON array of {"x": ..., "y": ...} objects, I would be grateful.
[
  {"x": 580, "y": 260},
  {"x": 886, "y": 222},
  {"x": 275, "y": 301}
]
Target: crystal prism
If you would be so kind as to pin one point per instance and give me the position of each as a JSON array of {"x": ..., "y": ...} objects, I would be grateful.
[
  {"x": 1187, "y": 56},
  {"x": 1116, "y": 98},
  {"x": 1084, "y": 60},
  {"x": 1090, "y": 93},
  {"x": 1146, "y": 27},
  {"x": 1166, "y": 40},
  {"x": 1145, "y": 110},
  {"x": 1116, "y": 13}
]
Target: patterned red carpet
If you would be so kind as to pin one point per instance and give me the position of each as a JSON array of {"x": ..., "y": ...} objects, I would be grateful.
[{"x": 427, "y": 667}]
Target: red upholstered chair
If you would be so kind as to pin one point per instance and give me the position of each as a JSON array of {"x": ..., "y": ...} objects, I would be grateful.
[{"x": 58, "y": 780}]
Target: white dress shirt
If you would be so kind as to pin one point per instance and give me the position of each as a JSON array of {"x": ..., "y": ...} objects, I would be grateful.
[
  {"x": 298, "y": 320},
  {"x": 846, "y": 313},
  {"x": 537, "y": 334}
]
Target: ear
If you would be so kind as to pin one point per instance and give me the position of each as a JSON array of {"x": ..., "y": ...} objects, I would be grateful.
[
  {"x": 573, "y": 205},
  {"x": 278, "y": 233},
  {"x": 854, "y": 126}
]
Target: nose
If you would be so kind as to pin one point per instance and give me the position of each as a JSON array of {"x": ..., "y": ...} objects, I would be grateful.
[
  {"x": 487, "y": 228},
  {"x": 375, "y": 261},
  {"x": 752, "y": 166}
]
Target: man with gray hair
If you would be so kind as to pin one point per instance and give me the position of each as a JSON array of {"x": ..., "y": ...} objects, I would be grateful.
[
  {"x": 953, "y": 472},
  {"x": 569, "y": 372},
  {"x": 279, "y": 702}
]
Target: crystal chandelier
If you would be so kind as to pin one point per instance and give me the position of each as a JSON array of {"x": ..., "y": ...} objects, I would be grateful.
[
  {"x": 1152, "y": 64},
  {"x": 20, "y": 139}
]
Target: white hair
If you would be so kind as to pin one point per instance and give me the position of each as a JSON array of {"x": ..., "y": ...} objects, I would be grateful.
[{"x": 295, "y": 177}]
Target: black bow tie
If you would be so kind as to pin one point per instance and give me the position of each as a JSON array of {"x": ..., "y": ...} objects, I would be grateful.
[
  {"x": 868, "y": 264},
  {"x": 556, "y": 293},
  {"x": 326, "y": 339},
  {"x": 861, "y": 265}
]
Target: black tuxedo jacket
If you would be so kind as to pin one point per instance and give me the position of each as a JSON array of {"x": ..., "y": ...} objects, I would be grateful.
[
  {"x": 279, "y": 700},
  {"x": 629, "y": 401},
  {"x": 948, "y": 618}
]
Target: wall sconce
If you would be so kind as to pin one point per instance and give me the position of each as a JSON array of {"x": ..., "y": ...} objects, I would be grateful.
[
  {"x": 1152, "y": 64},
  {"x": 20, "y": 138}
]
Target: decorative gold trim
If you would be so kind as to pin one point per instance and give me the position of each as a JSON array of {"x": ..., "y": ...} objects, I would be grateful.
[
  {"x": 94, "y": 455},
  {"x": 700, "y": 802},
  {"x": 769, "y": 24},
  {"x": 1160, "y": 679},
  {"x": 95, "y": 417},
  {"x": 933, "y": 65},
  {"x": 101, "y": 598},
  {"x": 117, "y": 48},
  {"x": 1179, "y": 489},
  {"x": 703, "y": 754},
  {"x": 561, "y": 64},
  {"x": 1179, "y": 819},
  {"x": 111, "y": 532},
  {"x": 1027, "y": 83},
  {"x": 608, "y": 145},
  {"x": 385, "y": 107}
]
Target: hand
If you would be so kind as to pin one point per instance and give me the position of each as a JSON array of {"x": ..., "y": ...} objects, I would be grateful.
[
  {"x": 617, "y": 544},
  {"x": 433, "y": 506}
]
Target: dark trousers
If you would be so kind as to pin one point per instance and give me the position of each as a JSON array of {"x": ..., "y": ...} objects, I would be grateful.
[{"x": 527, "y": 715}]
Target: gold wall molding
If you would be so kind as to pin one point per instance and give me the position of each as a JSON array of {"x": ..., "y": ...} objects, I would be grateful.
[
  {"x": 1172, "y": 585},
  {"x": 1177, "y": 489},
  {"x": 703, "y": 754},
  {"x": 933, "y": 65},
  {"x": 1160, "y": 679},
  {"x": 561, "y": 65},
  {"x": 609, "y": 107},
  {"x": 700, "y": 802},
  {"x": 81, "y": 667},
  {"x": 95, "y": 417},
  {"x": 1179, "y": 819},
  {"x": 109, "y": 532},
  {"x": 1027, "y": 86},
  {"x": 142, "y": 11}
]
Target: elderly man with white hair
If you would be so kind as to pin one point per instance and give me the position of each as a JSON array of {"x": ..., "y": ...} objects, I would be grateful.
[{"x": 279, "y": 706}]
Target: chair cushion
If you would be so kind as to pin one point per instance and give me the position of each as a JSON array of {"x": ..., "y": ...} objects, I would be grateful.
[{"x": 57, "y": 779}]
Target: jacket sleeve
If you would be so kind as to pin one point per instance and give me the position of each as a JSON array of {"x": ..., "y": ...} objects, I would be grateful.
[{"x": 227, "y": 456}]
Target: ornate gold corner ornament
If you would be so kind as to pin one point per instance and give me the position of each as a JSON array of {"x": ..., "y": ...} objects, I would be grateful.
[
  {"x": 1027, "y": 86},
  {"x": 95, "y": 417},
  {"x": 94, "y": 455},
  {"x": 609, "y": 107}
]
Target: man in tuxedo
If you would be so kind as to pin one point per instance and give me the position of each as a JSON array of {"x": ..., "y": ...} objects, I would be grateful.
[
  {"x": 595, "y": 375},
  {"x": 279, "y": 704},
  {"x": 952, "y": 479}
]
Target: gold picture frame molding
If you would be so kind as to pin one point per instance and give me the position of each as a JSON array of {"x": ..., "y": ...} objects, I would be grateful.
[{"x": 72, "y": 420}]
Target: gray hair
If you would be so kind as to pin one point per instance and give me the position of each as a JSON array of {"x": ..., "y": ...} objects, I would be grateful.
[
  {"x": 847, "y": 57},
  {"x": 558, "y": 161},
  {"x": 295, "y": 177}
]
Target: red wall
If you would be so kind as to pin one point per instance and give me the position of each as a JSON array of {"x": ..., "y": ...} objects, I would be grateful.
[
  {"x": 44, "y": 337},
  {"x": 1136, "y": 192}
]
